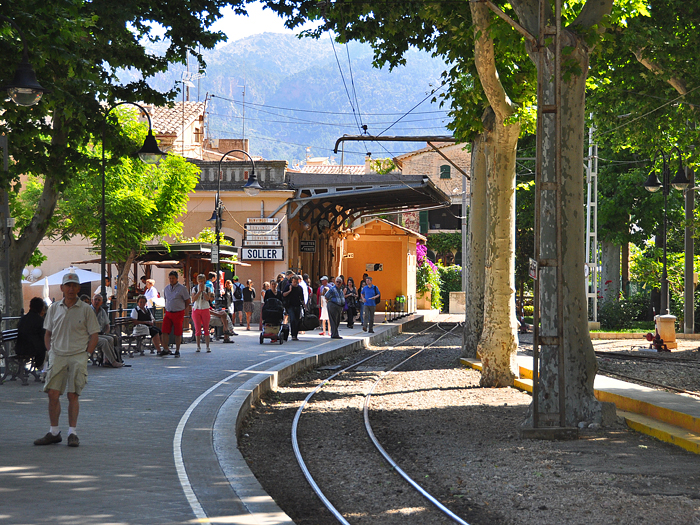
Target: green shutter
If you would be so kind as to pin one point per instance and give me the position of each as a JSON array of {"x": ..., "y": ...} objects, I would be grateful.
[
  {"x": 423, "y": 221},
  {"x": 445, "y": 171}
]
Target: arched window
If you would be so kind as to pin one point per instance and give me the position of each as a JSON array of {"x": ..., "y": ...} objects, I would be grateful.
[{"x": 445, "y": 171}]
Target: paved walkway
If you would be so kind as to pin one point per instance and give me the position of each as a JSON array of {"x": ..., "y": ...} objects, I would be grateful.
[{"x": 155, "y": 444}]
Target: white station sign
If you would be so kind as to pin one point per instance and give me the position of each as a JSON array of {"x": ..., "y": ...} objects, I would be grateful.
[{"x": 262, "y": 254}]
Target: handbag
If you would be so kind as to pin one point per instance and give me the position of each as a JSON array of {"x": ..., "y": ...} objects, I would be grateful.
[{"x": 140, "y": 329}]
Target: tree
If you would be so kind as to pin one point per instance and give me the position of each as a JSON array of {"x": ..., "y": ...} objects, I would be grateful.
[
  {"x": 480, "y": 78},
  {"x": 77, "y": 49},
  {"x": 642, "y": 92},
  {"x": 142, "y": 203}
]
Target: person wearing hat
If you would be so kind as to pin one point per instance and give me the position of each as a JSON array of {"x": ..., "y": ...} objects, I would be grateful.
[{"x": 71, "y": 336}]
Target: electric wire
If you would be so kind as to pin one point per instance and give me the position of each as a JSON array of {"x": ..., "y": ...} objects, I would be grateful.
[
  {"x": 433, "y": 92},
  {"x": 345, "y": 85},
  {"x": 601, "y": 133},
  {"x": 354, "y": 90},
  {"x": 249, "y": 104},
  {"x": 296, "y": 121}
]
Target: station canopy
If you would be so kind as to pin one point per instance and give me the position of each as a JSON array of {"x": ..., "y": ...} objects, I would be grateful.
[{"x": 335, "y": 198}]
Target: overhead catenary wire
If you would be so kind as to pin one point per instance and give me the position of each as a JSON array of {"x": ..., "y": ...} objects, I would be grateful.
[
  {"x": 297, "y": 121},
  {"x": 601, "y": 133},
  {"x": 300, "y": 110},
  {"x": 321, "y": 148},
  {"x": 432, "y": 92}
]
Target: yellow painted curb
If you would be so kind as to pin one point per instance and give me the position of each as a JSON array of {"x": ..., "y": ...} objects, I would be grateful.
[
  {"x": 523, "y": 383},
  {"x": 661, "y": 423},
  {"x": 661, "y": 414},
  {"x": 662, "y": 431}
]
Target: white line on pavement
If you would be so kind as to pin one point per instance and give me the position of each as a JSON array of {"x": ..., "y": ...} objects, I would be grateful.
[{"x": 177, "y": 441}]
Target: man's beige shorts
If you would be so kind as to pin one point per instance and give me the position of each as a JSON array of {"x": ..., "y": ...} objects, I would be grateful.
[{"x": 67, "y": 372}]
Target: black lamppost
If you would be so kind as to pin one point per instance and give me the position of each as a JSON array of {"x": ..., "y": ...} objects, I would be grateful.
[
  {"x": 149, "y": 153},
  {"x": 24, "y": 89},
  {"x": 252, "y": 188},
  {"x": 652, "y": 184}
]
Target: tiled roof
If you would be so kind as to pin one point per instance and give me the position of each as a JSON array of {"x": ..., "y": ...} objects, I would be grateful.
[
  {"x": 334, "y": 169},
  {"x": 168, "y": 121}
]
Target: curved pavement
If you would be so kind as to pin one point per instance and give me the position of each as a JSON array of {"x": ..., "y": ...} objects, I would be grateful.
[{"x": 157, "y": 440}]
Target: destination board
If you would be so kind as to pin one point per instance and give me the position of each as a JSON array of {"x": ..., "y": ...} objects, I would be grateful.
[
  {"x": 262, "y": 237},
  {"x": 262, "y": 254},
  {"x": 261, "y": 227},
  {"x": 263, "y": 220},
  {"x": 247, "y": 242}
]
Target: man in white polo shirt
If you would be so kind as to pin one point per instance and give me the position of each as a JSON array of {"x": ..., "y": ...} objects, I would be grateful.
[{"x": 71, "y": 336}]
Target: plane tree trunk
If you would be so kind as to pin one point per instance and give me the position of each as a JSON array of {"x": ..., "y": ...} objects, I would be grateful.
[
  {"x": 498, "y": 343},
  {"x": 611, "y": 271}
]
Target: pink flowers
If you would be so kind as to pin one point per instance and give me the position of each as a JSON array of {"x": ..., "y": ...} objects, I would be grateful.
[{"x": 422, "y": 256}]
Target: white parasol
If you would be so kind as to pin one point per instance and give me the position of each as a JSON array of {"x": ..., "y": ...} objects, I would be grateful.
[{"x": 85, "y": 276}]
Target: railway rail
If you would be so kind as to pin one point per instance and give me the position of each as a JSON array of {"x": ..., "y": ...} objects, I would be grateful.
[{"x": 406, "y": 356}]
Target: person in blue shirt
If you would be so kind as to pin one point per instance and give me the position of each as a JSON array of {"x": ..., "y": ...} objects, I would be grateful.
[
  {"x": 371, "y": 296},
  {"x": 336, "y": 300}
]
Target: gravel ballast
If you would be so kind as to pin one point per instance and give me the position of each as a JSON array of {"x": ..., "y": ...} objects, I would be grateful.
[{"x": 462, "y": 443}]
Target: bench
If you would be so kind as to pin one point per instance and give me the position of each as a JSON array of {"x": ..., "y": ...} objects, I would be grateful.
[
  {"x": 134, "y": 343},
  {"x": 16, "y": 366}
]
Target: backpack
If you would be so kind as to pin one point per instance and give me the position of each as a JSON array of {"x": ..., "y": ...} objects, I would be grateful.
[
  {"x": 377, "y": 292},
  {"x": 237, "y": 293}
]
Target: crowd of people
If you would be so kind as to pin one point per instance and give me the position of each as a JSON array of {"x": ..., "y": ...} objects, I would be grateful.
[{"x": 57, "y": 339}]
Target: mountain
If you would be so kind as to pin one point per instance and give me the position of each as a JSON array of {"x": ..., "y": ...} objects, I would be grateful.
[{"x": 295, "y": 96}]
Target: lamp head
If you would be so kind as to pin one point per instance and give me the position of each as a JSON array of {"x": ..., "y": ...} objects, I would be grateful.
[
  {"x": 652, "y": 183},
  {"x": 680, "y": 181},
  {"x": 252, "y": 187},
  {"x": 24, "y": 88},
  {"x": 150, "y": 153}
]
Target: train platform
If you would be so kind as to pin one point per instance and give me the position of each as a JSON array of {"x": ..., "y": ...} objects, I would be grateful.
[
  {"x": 670, "y": 417},
  {"x": 158, "y": 439}
]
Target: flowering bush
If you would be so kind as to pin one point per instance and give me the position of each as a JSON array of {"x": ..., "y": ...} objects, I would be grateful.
[{"x": 427, "y": 276}]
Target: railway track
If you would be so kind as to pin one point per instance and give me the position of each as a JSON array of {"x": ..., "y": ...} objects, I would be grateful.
[
  {"x": 681, "y": 369},
  {"x": 382, "y": 473}
]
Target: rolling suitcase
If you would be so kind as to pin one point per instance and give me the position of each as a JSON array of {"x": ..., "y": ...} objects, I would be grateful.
[{"x": 309, "y": 322}]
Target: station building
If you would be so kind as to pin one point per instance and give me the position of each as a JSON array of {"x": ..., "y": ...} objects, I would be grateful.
[{"x": 310, "y": 222}]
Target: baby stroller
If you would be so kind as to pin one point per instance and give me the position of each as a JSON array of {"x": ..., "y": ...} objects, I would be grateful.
[{"x": 272, "y": 315}]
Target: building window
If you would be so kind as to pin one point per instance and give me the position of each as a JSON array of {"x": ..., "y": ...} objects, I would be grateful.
[
  {"x": 423, "y": 222},
  {"x": 445, "y": 171}
]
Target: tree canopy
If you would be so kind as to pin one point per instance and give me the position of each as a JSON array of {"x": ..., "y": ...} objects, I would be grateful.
[{"x": 78, "y": 50}]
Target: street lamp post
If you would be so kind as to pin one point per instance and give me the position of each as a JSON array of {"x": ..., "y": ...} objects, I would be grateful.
[
  {"x": 149, "y": 153},
  {"x": 252, "y": 188},
  {"x": 24, "y": 90},
  {"x": 652, "y": 184}
]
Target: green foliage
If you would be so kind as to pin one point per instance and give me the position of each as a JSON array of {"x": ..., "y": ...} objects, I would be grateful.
[
  {"x": 445, "y": 242},
  {"x": 646, "y": 268},
  {"x": 382, "y": 166},
  {"x": 207, "y": 235},
  {"x": 617, "y": 315},
  {"x": 142, "y": 201},
  {"x": 450, "y": 281},
  {"x": 428, "y": 279},
  {"x": 79, "y": 50}
]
